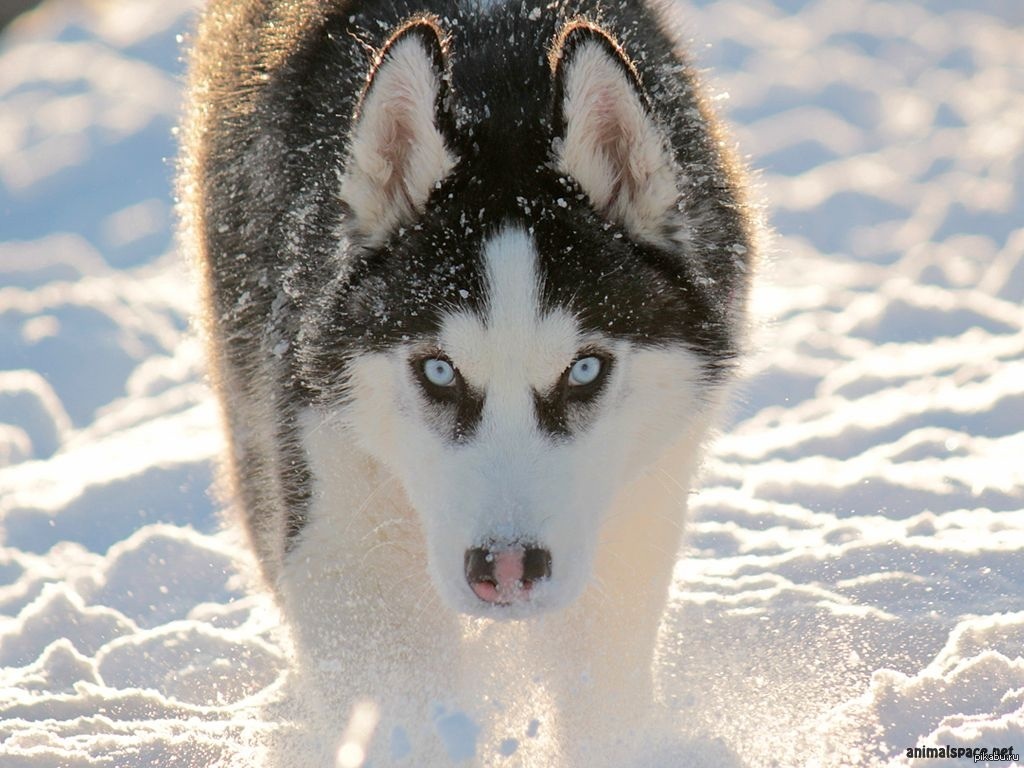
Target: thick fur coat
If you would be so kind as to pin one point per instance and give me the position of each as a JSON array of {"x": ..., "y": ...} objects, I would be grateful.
[{"x": 475, "y": 283}]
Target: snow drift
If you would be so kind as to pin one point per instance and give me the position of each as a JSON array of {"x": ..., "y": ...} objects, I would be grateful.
[{"x": 853, "y": 584}]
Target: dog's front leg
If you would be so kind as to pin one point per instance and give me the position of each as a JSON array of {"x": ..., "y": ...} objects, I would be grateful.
[
  {"x": 366, "y": 622},
  {"x": 604, "y": 646}
]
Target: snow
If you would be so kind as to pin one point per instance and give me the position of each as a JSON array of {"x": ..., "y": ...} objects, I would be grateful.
[{"x": 852, "y": 584}]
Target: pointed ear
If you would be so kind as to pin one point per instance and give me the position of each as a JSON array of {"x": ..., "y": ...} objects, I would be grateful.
[
  {"x": 397, "y": 152},
  {"x": 611, "y": 144}
]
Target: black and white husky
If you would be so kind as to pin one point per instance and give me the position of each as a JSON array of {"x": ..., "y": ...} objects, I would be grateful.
[{"x": 476, "y": 278}]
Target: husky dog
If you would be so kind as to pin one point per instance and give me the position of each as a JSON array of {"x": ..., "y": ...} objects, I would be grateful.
[{"x": 475, "y": 278}]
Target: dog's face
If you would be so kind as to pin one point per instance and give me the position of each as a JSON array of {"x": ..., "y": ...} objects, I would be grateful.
[
  {"x": 515, "y": 360},
  {"x": 512, "y": 430}
]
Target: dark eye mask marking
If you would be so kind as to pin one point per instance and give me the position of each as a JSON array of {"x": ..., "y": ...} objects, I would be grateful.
[
  {"x": 458, "y": 407},
  {"x": 566, "y": 405}
]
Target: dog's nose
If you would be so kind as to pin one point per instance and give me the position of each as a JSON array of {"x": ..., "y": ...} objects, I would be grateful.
[{"x": 503, "y": 575}]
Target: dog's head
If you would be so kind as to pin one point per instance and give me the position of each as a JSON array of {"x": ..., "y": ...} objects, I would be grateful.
[{"x": 532, "y": 319}]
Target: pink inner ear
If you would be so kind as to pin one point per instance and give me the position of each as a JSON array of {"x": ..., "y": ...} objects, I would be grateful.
[
  {"x": 614, "y": 147},
  {"x": 396, "y": 148},
  {"x": 613, "y": 139},
  {"x": 397, "y": 152},
  {"x": 608, "y": 132}
]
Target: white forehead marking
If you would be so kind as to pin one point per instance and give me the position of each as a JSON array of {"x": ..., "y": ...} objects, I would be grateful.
[
  {"x": 516, "y": 340},
  {"x": 512, "y": 280}
]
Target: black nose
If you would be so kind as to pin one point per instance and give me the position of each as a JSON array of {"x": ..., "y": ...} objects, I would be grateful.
[
  {"x": 479, "y": 565},
  {"x": 505, "y": 574},
  {"x": 536, "y": 564}
]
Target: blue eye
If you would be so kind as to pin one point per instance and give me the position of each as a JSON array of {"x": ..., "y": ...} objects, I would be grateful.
[
  {"x": 585, "y": 371},
  {"x": 439, "y": 372}
]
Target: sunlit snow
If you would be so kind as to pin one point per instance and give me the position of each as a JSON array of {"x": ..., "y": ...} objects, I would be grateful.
[{"x": 853, "y": 581}]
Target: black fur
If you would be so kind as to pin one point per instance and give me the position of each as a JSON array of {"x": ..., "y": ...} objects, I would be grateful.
[{"x": 273, "y": 88}]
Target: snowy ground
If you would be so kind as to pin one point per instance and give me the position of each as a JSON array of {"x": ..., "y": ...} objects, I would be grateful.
[{"x": 854, "y": 581}]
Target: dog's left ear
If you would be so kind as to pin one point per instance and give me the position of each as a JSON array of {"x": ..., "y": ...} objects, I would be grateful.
[
  {"x": 397, "y": 151},
  {"x": 610, "y": 142}
]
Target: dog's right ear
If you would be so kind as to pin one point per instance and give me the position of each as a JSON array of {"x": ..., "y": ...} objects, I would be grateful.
[{"x": 397, "y": 152}]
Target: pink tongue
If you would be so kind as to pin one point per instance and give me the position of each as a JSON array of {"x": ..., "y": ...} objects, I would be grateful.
[{"x": 508, "y": 575}]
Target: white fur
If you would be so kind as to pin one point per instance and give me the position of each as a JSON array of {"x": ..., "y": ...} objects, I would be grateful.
[
  {"x": 396, "y": 504},
  {"x": 397, "y": 152},
  {"x": 515, "y": 343},
  {"x": 613, "y": 148}
]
